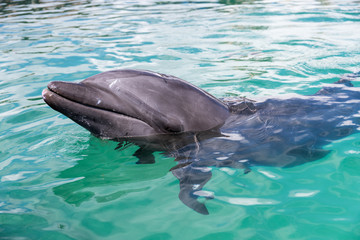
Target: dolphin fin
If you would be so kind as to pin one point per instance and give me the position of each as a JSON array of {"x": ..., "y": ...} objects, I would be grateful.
[
  {"x": 192, "y": 179},
  {"x": 191, "y": 202}
]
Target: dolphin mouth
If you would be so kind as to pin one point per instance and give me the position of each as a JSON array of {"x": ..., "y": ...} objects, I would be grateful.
[
  {"x": 57, "y": 92},
  {"x": 85, "y": 106}
]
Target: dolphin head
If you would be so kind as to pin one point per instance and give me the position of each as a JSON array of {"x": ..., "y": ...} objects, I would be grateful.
[{"x": 133, "y": 103}]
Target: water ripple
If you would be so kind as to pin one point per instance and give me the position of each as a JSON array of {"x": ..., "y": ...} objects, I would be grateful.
[{"x": 58, "y": 182}]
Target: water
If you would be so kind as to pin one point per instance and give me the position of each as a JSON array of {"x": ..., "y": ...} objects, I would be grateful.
[{"x": 59, "y": 182}]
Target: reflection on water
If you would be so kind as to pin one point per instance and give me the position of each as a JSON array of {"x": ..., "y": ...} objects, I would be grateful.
[
  {"x": 108, "y": 168},
  {"x": 229, "y": 2},
  {"x": 9, "y": 8},
  {"x": 57, "y": 182}
]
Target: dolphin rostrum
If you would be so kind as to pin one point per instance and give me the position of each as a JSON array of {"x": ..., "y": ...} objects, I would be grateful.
[{"x": 163, "y": 113}]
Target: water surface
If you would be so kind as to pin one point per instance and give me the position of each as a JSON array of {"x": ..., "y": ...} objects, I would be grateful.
[{"x": 59, "y": 182}]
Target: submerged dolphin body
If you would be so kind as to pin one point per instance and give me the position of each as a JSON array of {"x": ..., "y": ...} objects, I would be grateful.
[{"x": 163, "y": 113}]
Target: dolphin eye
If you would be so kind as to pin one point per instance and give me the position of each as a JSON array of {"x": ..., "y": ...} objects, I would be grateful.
[{"x": 174, "y": 128}]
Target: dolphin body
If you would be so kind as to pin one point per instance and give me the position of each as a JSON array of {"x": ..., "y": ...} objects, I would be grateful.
[{"x": 163, "y": 113}]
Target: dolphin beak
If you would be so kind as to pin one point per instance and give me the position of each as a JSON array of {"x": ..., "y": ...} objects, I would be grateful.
[
  {"x": 88, "y": 107},
  {"x": 76, "y": 92}
]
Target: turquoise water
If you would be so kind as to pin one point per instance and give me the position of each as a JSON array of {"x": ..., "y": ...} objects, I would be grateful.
[{"x": 59, "y": 182}]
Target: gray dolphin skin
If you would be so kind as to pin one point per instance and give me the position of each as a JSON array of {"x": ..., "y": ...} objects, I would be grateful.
[{"x": 163, "y": 113}]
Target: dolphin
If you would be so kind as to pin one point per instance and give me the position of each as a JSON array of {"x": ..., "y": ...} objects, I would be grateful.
[
  {"x": 133, "y": 103},
  {"x": 159, "y": 112}
]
